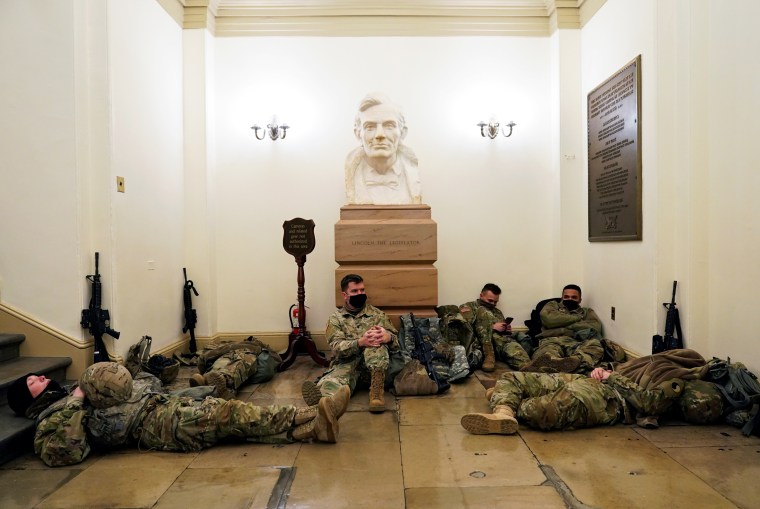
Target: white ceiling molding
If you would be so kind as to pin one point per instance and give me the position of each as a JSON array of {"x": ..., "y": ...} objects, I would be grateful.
[{"x": 381, "y": 18}]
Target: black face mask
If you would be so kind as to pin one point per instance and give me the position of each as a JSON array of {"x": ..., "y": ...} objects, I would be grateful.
[
  {"x": 358, "y": 300},
  {"x": 571, "y": 305},
  {"x": 485, "y": 304}
]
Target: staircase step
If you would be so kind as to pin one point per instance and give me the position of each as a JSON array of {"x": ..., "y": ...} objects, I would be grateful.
[
  {"x": 16, "y": 433},
  {"x": 9, "y": 345}
]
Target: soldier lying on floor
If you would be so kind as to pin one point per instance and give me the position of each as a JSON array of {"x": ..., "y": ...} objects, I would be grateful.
[
  {"x": 558, "y": 401},
  {"x": 108, "y": 408}
]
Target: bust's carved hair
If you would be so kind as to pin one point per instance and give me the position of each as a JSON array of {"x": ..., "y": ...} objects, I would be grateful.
[{"x": 375, "y": 99}]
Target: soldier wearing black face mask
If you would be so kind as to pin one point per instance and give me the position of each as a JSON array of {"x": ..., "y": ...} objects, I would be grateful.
[
  {"x": 570, "y": 337},
  {"x": 365, "y": 348}
]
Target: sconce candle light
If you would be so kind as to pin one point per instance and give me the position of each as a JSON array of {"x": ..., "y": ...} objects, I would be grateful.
[
  {"x": 275, "y": 130},
  {"x": 491, "y": 129}
]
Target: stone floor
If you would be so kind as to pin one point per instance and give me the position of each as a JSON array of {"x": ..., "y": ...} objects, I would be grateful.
[{"x": 415, "y": 455}]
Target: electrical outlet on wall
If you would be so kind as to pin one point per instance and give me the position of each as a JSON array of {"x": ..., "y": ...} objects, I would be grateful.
[
  {"x": 120, "y": 184},
  {"x": 612, "y": 312}
]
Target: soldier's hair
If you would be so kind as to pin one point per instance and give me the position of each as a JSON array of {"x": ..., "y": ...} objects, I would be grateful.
[
  {"x": 375, "y": 99},
  {"x": 349, "y": 278},
  {"x": 490, "y": 287},
  {"x": 573, "y": 287}
]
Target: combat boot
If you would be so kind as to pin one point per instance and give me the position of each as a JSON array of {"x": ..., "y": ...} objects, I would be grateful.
[
  {"x": 489, "y": 361},
  {"x": 377, "y": 392},
  {"x": 305, "y": 414},
  {"x": 196, "y": 380},
  {"x": 489, "y": 393},
  {"x": 339, "y": 401},
  {"x": 310, "y": 392},
  {"x": 501, "y": 422},
  {"x": 219, "y": 381},
  {"x": 323, "y": 427}
]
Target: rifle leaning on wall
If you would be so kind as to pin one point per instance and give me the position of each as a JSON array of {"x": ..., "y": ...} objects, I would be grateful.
[
  {"x": 672, "y": 325},
  {"x": 424, "y": 352},
  {"x": 97, "y": 319},
  {"x": 191, "y": 317}
]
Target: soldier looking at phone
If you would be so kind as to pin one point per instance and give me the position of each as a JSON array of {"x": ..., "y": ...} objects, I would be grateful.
[{"x": 492, "y": 331}]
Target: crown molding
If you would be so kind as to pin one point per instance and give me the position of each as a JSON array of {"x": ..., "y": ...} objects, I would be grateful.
[{"x": 235, "y": 18}]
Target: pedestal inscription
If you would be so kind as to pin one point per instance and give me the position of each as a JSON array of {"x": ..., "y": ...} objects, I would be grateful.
[{"x": 393, "y": 247}]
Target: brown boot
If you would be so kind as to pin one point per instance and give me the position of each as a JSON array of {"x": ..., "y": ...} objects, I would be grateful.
[
  {"x": 196, "y": 380},
  {"x": 339, "y": 401},
  {"x": 489, "y": 393},
  {"x": 539, "y": 364},
  {"x": 377, "y": 392},
  {"x": 219, "y": 381},
  {"x": 323, "y": 427},
  {"x": 501, "y": 422},
  {"x": 310, "y": 392},
  {"x": 489, "y": 361},
  {"x": 305, "y": 414}
]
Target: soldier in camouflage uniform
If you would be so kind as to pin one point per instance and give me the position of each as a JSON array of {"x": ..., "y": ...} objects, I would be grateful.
[
  {"x": 365, "y": 348},
  {"x": 570, "y": 339},
  {"x": 109, "y": 408},
  {"x": 492, "y": 334},
  {"x": 561, "y": 401},
  {"x": 230, "y": 365}
]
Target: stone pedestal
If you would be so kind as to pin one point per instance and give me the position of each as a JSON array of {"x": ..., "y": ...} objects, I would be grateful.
[{"x": 393, "y": 247}]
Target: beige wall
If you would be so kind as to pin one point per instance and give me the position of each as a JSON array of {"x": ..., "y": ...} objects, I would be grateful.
[
  {"x": 90, "y": 97},
  {"x": 699, "y": 174}
]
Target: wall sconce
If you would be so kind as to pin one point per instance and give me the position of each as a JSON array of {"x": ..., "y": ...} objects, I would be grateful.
[
  {"x": 274, "y": 130},
  {"x": 491, "y": 129}
]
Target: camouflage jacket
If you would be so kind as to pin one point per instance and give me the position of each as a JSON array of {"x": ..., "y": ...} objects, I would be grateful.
[
  {"x": 651, "y": 401},
  {"x": 481, "y": 318},
  {"x": 67, "y": 427},
  {"x": 557, "y": 320},
  {"x": 344, "y": 330}
]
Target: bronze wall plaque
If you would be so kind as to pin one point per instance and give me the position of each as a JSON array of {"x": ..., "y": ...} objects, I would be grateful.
[
  {"x": 614, "y": 156},
  {"x": 298, "y": 238}
]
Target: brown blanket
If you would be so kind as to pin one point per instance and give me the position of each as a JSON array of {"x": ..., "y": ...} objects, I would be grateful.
[{"x": 650, "y": 370}]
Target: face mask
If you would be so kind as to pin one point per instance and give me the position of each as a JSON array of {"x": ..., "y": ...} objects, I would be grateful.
[
  {"x": 487, "y": 305},
  {"x": 358, "y": 300},
  {"x": 571, "y": 305}
]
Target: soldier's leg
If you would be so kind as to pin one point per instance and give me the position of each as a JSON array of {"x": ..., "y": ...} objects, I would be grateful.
[
  {"x": 552, "y": 347},
  {"x": 506, "y": 398},
  {"x": 580, "y": 402},
  {"x": 377, "y": 361},
  {"x": 589, "y": 352},
  {"x": 512, "y": 353},
  {"x": 338, "y": 376}
]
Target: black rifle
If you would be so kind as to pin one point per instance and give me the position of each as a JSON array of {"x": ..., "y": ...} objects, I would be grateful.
[
  {"x": 97, "y": 319},
  {"x": 424, "y": 353},
  {"x": 191, "y": 317},
  {"x": 672, "y": 324}
]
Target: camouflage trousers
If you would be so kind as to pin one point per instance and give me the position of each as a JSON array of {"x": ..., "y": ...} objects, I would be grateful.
[
  {"x": 237, "y": 366},
  {"x": 358, "y": 371},
  {"x": 589, "y": 351},
  {"x": 510, "y": 351},
  {"x": 557, "y": 401},
  {"x": 182, "y": 424}
]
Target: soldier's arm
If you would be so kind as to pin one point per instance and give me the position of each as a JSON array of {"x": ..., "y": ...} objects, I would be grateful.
[
  {"x": 652, "y": 401},
  {"x": 385, "y": 322},
  {"x": 591, "y": 321},
  {"x": 61, "y": 438},
  {"x": 341, "y": 345},
  {"x": 552, "y": 317}
]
